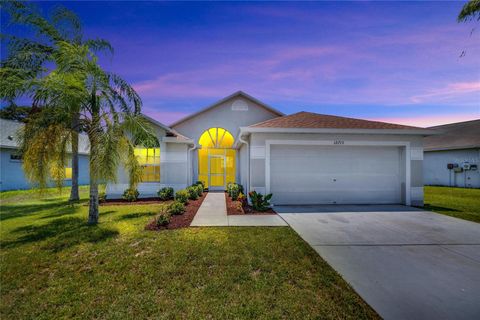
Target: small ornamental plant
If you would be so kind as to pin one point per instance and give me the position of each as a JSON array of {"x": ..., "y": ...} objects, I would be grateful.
[
  {"x": 130, "y": 195},
  {"x": 163, "y": 219},
  {"x": 200, "y": 183},
  {"x": 102, "y": 197},
  {"x": 234, "y": 190},
  {"x": 192, "y": 193},
  {"x": 176, "y": 208},
  {"x": 199, "y": 189},
  {"x": 259, "y": 201},
  {"x": 241, "y": 197},
  {"x": 166, "y": 193},
  {"x": 182, "y": 196}
]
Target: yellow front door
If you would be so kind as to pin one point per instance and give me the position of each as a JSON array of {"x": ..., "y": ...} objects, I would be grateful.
[{"x": 217, "y": 171}]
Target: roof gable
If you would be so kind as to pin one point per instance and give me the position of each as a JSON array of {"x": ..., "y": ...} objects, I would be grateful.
[
  {"x": 310, "y": 120},
  {"x": 218, "y": 103}
]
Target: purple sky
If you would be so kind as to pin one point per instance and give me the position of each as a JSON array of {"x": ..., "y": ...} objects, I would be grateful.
[{"x": 392, "y": 61}]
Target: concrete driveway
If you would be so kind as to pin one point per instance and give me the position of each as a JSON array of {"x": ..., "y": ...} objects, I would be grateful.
[{"x": 405, "y": 262}]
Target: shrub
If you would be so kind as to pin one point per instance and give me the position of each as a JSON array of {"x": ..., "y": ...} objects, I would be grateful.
[
  {"x": 182, "y": 196},
  {"x": 102, "y": 197},
  {"x": 166, "y": 193},
  {"x": 259, "y": 201},
  {"x": 200, "y": 183},
  {"x": 163, "y": 219},
  {"x": 199, "y": 189},
  {"x": 192, "y": 193},
  {"x": 241, "y": 197},
  {"x": 130, "y": 195},
  {"x": 176, "y": 208},
  {"x": 234, "y": 190}
]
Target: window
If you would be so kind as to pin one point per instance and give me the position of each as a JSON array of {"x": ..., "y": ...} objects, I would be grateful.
[
  {"x": 216, "y": 138},
  {"x": 149, "y": 159},
  {"x": 15, "y": 157},
  {"x": 239, "y": 105},
  {"x": 68, "y": 173}
]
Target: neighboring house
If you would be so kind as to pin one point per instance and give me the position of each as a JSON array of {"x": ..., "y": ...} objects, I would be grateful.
[
  {"x": 303, "y": 158},
  {"x": 11, "y": 172},
  {"x": 452, "y": 158}
]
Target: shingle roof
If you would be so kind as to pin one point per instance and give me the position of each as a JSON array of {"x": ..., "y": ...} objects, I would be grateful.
[
  {"x": 9, "y": 133},
  {"x": 315, "y": 121},
  {"x": 179, "y": 137},
  {"x": 460, "y": 135}
]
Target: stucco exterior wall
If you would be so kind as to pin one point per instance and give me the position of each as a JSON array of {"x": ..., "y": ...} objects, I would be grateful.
[
  {"x": 243, "y": 165},
  {"x": 435, "y": 169},
  {"x": 173, "y": 173},
  {"x": 222, "y": 116},
  {"x": 257, "y": 156},
  {"x": 12, "y": 176}
]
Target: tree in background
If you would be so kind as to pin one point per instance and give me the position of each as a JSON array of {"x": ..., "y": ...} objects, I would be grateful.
[
  {"x": 470, "y": 11},
  {"x": 14, "y": 112},
  {"x": 105, "y": 106},
  {"x": 29, "y": 59}
]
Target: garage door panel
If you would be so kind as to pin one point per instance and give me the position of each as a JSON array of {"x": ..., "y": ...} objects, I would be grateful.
[{"x": 337, "y": 174}]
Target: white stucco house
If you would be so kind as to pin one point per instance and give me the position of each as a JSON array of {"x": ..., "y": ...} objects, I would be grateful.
[
  {"x": 452, "y": 157},
  {"x": 303, "y": 158}
]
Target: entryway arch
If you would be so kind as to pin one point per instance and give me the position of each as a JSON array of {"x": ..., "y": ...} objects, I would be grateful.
[{"x": 216, "y": 158}]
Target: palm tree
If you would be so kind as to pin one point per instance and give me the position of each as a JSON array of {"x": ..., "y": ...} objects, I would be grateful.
[
  {"x": 109, "y": 113},
  {"x": 27, "y": 60},
  {"x": 470, "y": 11},
  {"x": 76, "y": 91}
]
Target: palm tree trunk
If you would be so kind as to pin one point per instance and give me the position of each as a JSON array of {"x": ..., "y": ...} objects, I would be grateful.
[
  {"x": 74, "y": 195},
  {"x": 93, "y": 202}
]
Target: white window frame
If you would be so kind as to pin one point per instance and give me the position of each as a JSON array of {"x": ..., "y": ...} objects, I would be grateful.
[{"x": 153, "y": 164}]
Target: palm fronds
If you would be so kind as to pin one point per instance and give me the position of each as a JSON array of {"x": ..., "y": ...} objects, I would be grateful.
[{"x": 470, "y": 11}]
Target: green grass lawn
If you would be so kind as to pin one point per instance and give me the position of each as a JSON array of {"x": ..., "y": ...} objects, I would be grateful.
[
  {"x": 55, "y": 266},
  {"x": 456, "y": 202}
]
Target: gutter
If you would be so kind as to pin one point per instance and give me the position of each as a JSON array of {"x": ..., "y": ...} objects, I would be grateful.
[
  {"x": 190, "y": 163},
  {"x": 419, "y": 131},
  {"x": 247, "y": 187}
]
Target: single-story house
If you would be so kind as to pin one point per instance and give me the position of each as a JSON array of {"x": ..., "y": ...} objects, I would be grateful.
[
  {"x": 452, "y": 157},
  {"x": 302, "y": 158},
  {"x": 12, "y": 176}
]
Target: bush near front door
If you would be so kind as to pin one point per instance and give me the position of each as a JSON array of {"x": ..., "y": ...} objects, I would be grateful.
[{"x": 259, "y": 201}]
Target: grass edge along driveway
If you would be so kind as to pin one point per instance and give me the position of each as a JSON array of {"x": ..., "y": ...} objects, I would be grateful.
[{"x": 459, "y": 203}]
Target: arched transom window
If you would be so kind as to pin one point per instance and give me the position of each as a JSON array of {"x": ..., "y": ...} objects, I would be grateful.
[{"x": 216, "y": 138}]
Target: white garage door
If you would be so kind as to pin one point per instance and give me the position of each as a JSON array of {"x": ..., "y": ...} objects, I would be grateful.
[{"x": 335, "y": 174}]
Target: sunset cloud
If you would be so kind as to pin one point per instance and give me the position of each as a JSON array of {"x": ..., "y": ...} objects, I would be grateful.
[
  {"x": 450, "y": 91},
  {"x": 394, "y": 60}
]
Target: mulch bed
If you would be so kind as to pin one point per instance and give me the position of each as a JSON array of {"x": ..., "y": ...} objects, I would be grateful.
[
  {"x": 122, "y": 202},
  {"x": 239, "y": 208},
  {"x": 181, "y": 220}
]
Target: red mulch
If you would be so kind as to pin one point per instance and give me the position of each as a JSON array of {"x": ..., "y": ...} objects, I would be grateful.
[
  {"x": 122, "y": 202},
  {"x": 237, "y": 208},
  {"x": 181, "y": 220}
]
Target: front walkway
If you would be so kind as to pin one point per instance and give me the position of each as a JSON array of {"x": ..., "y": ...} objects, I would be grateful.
[{"x": 213, "y": 213}]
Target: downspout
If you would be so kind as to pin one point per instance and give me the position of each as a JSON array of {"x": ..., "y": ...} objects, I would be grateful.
[
  {"x": 190, "y": 164},
  {"x": 247, "y": 187}
]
